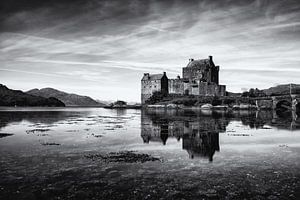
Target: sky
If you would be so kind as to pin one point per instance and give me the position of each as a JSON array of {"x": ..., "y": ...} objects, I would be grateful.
[{"x": 102, "y": 48}]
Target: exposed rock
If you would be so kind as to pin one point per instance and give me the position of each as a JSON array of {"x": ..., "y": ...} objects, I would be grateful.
[{"x": 123, "y": 156}]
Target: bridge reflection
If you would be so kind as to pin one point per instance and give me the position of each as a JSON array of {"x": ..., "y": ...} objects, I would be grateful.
[{"x": 199, "y": 130}]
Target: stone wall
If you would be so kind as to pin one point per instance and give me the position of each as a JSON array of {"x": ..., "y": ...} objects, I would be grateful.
[
  {"x": 148, "y": 87},
  {"x": 195, "y": 89},
  {"x": 201, "y": 72},
  {"x": 211, "y": 89},
  {"x": 153, "y": 83},
  {"x": 186, "y": 88},
  {"x": 176, "y": 86}
]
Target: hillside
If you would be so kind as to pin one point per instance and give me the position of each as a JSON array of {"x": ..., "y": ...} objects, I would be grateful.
[
  {"x": 282, "y": 90},
  {"x": 9, "y": 97},
  {"x": 104, "y": 102},
  {"x": 67, "y": 98}
]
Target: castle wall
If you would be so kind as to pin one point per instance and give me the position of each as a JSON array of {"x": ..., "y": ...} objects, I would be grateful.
[
  {"x": 192, "y": 73},
  {"x": 148, "y": 88},
  {"x": 187, "y": 88},
  {"x": 176, "y": 86},
  {"x": 195, "y": 89},
  {"x": 205, "y": 73},
  {"x": 150, "y": 84},
  {"x": 211, "y": 89}
]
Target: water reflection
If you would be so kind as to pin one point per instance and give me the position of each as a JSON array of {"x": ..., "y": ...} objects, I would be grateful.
[
  {"x": 45, "y": 117},
  {"x": 199, "y": 130},
  {"x": 119, "y": 111}
]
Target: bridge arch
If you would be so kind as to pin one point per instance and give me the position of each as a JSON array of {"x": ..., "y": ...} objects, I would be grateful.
[{"x": 283, "y": 105}]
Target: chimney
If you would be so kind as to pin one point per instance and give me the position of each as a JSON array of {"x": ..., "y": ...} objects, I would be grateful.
[
  {"x": 165, "y": 73},
  {"x": 191, "y": 59},
  {"x": 210, "y": 58},
  {"x": 147, "y": 75}
]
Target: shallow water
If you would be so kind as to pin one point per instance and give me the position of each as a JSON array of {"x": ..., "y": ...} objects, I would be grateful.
[{"x": 202, "y": 155}]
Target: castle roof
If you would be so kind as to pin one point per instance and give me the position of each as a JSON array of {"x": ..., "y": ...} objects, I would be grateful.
[
  {"x": 151, "y": 77},
  {"x": 197, "y": 63}
]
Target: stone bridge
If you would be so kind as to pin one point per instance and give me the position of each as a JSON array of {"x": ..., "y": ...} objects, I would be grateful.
[
  {"x": 291, "y": 102},
  {"x": 288, "y": 102}
]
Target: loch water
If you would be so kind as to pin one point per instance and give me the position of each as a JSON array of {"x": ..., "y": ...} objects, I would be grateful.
[{"x": 96, "y": 153}]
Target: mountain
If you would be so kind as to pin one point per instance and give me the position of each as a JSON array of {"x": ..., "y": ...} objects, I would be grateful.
[
  {"x": 9, "y": 97},
  {"x": 67, "y": 98},
  {"x": 283, "y": 90}
]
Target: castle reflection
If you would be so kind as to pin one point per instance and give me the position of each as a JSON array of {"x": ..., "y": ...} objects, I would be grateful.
[
  {"x": 199, "y": 133},
  {"x": 199, "y": 130}
]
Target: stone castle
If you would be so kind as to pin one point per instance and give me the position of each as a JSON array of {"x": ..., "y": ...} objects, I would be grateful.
[{"x": 199, "y": 77}]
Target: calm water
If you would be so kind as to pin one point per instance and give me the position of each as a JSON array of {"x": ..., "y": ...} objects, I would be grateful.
[{"x": 203, "y": 155}]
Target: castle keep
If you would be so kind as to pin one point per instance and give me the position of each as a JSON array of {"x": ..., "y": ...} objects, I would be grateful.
[{"x": 199, "y": 77}]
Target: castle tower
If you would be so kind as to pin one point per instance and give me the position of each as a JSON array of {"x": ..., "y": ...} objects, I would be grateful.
[{"x": 152, "y": 83}]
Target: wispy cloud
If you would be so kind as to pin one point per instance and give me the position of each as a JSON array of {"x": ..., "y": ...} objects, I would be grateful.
[
  {"x": 116, "y": 41},
  {"x": 30, "y": 72},
  {"x": 150, "y": 67}
]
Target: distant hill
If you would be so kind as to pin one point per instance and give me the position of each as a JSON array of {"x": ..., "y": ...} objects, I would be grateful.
[
  {"x": 67, "y": 98},
  {"x": 105, "y": 102},
  {"x": 9, "y": 97},
  {"x": 233, "y": 94},
  {"x": 282, "y": 90}
]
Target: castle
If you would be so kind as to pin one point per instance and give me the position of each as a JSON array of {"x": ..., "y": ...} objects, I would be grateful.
[{"x": 199, "y": 77}]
